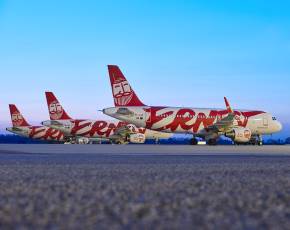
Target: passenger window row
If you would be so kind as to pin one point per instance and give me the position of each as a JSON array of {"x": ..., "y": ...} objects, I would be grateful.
[{"x": 188, "y": 116}]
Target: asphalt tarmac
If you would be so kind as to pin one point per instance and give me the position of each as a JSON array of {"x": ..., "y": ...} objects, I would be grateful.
[{"x": 144, "y": 187}]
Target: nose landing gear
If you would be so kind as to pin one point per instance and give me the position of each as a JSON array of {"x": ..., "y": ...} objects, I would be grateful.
[
  {"x": 212, "y": 142},
  {"x": 260, "y": 140},
  {"x": 257, "y": 140},
  {"x": 194, "y": 141}
]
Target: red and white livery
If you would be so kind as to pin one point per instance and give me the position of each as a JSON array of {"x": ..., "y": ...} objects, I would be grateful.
[
  {"x": 21, "y": 127},
  {"x": 115, "y": 131},
  {"x": 241, "y": 126}
]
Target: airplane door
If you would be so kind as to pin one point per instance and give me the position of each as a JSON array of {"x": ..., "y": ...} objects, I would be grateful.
[
  {"x": 265, "y": 121},
  {"x": 148, "y": 115}
]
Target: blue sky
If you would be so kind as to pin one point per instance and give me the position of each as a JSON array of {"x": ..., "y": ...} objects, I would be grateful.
[{"x": 179, "y": 53}]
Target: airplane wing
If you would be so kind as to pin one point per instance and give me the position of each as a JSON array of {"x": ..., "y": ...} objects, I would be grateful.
[
  {"x": 99, "y": 139},
  {"x": 128, "y": 134},
  {"x": 226, "y": 123},
  {"x": 223, "y": 125},
  {"x": 121, "y": 133}
]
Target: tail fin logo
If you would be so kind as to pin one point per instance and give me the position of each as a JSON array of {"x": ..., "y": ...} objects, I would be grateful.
[
  {"x": 55, "y": 110},
  {"x": 122, "y": 91},
  {"x": 17, "y": 119}
]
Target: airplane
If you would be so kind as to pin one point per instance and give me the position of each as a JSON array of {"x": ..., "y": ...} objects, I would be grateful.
[
  {"x": 242, "y": 126},
  {"x": 22, "y": 128},
  {"x": 99, "y": 130}
]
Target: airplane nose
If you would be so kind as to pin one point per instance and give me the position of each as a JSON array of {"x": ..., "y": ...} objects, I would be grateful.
[{"x": 279, "y": 126}]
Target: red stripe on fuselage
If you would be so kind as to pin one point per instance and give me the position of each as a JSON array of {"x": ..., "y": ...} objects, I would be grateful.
[
  {"x": 97, "y": 128},
  {"x": 43, "y": 133},
  {"x": 186, "y": 115}
]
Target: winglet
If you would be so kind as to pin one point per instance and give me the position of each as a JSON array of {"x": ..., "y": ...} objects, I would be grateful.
[
  {"x": 229, "y": 109},
  {"x": 16, "y": 117},
  {"x": 56, "y": 111}
]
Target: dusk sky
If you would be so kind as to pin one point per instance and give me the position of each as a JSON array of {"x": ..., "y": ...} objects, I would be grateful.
[{"x": 177, "y": 53}]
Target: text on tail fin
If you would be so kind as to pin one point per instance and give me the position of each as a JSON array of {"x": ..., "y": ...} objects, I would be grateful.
[
  {"x": 123, "y": 94},
  {"x": 56, "y": 111}
]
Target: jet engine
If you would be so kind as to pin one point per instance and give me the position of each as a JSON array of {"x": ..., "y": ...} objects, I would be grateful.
[
  {"x": 82, "y": 140},
  {"x": 137, "y": 138},
  {"x": 240, "y": 135}
]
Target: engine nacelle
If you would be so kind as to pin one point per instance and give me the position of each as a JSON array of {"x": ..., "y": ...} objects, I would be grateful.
[
  {"x": 137, "y": 138},
  {"x": 240, "y": 135},
  {"x": 82, "y": 140}
]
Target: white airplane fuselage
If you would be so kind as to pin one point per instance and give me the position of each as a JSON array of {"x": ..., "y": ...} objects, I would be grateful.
[
  {"x": 192, "y": 120},
  {"x": 38, "y": 133},
  {"x": 99, "y": 128}
]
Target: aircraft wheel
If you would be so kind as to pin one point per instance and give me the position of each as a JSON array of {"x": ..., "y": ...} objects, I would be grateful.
[
  {"x": 194, "y": 141},
  {"x": 212, "y": 142},
  {"x": 260, "y": 140}
]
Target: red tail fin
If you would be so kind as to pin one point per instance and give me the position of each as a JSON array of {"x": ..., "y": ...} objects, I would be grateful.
[
  {"x": 56, "y": 112},
  {"x": 123, "y": 94},
  {"x": 16, "y": 117}
]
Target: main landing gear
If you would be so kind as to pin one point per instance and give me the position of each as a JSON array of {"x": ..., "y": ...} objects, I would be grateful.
[
  {"x": 194, "y": 141},
  {"x": 212, "y": 142}
]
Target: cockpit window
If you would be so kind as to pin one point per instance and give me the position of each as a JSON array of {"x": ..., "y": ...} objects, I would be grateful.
[{"x": 274, "y": 118}]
